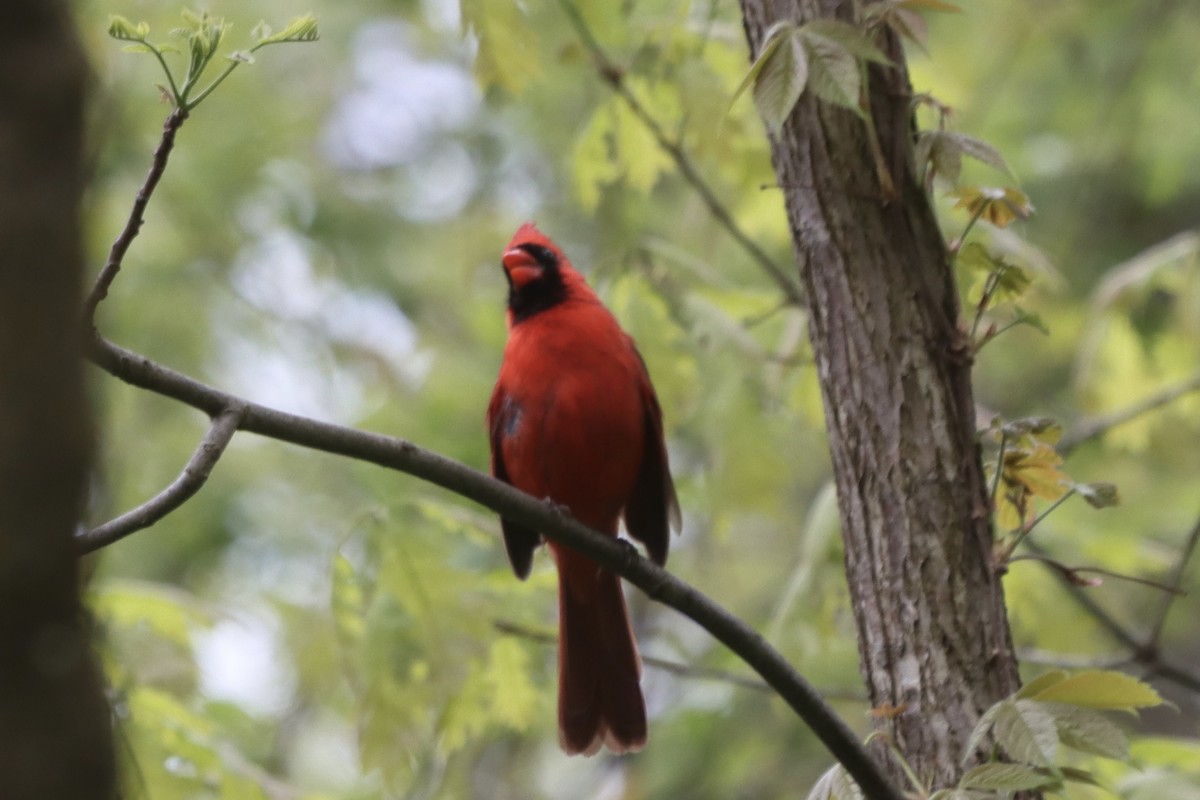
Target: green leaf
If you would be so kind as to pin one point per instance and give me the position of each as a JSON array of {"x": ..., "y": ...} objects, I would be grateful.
[
  {"x": 771, "y": 42},
  {"x": 923, "y": 149},
  {"x": 982, "y": 728},
  {"x": 847, "y": 37},
  {"x": 910, "y": 25},
  {"x": 998, "y": 205},
  {"x": 1099, "y": 495},
  {"x": 592, "y": 163},
  {"x": 1076, "y": 775},
  {"x": 781, "y": 81},
  {"x": 978, "y": 150},
  {"x": 348, "y": 600},
  {"x": 1023, "y": 317},
  {"x": 833, "y": 72},
  {"x": 509, "y": 54},
  {"x": 1041, "y": 682},
  {"x": 1103, "y": 689},
  {"x": 168, "y": 612},
  {"x": 1007, "y": 778},
  {"x": 835, "y": 784},
  {"x": 1026, "y": 731},
  {"x": 121, "y": 28},
  {"x": 977, "y": 257},
  {"x": 300, "y": 29},
  {"x": 1089, "y": 731},
  {"x": 946, "y": 156},
  {"x": 137, "y": 47}
]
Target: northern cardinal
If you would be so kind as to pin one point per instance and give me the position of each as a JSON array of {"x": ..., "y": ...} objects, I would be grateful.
[{"x": 574, "y": 419}]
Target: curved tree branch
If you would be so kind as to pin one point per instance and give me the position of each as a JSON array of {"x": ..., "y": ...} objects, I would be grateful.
[
  {"x": 182, "y": 489},
  {"x": 513, "y": 504}
]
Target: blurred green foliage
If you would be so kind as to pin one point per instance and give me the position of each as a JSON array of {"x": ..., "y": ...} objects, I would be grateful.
[{"x": 326, "y": 240}]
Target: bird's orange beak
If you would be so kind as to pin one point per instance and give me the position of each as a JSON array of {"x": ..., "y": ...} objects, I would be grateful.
[{"x": 521, "y": 267}]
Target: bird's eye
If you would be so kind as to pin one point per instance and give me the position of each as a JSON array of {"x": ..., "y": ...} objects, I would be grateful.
[{"x": 544, "y": 256}]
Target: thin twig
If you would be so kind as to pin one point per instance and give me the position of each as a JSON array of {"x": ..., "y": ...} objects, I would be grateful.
[
  {"x": 1097, "y": 426},
  {"x": 690, "y": 671},
  {"x": 1070, "y": 572},
  {"x": 613, "y": 75},
  {"x": 182, "y": 489},
  {"x": 1089, "y": 604},
  {"x": 1164, "y": 607},
  {"x": 1139, "y": 652},
  {"x": 136, "y": 216},
  {"x": 1175, "y": 675},
  {"x": 513, "y": 504}
]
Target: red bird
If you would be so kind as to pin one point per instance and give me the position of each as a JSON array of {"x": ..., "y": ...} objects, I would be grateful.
[{"x": 573, "y": 418}]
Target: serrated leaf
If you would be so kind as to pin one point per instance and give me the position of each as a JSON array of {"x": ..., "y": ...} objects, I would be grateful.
[
  {"x": 981, "y": 730},
  {"x": 1104, "y": 689},
  {"x": 1089, "y": 731},
  {"x": 847, "y": 37},
  {"x": 835, "y": 784},
  {"x": 781, "y": 81},
  {"x": 137, "y": 47},
  {"x": 910, "y": 25},
  {"x": 1007, "y": 778},
  {"x": 978, "y": 150},
  {"x": 1042, "y": 682},
  {"x": 1035, "y": 471},
  {"x": 771, "y": 42},
  {"x": 1027, "y": 732},
  {"x": 1099, "y": 495},
  {"x": 121, "y": 28},
  {"x": 833, "y": 72},
  {"x": 300, "y": 29}
]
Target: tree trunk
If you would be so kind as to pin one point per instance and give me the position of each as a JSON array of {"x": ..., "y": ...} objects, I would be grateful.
[
  {"x": 55, "y": 739},
  {"x": 895, "y": 377}
]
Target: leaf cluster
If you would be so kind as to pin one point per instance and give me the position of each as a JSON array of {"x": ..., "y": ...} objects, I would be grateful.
[
  {"x": 1029, "y": 732},
  {"x": 202, "y": 35}
]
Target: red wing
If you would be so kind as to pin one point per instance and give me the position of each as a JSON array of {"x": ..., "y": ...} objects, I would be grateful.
[
  {"x": 652, "y": 509},
  {"x": 519, "y": 541}
]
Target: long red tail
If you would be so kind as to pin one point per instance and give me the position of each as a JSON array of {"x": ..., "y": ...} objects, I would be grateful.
[{"x": 599, "y": 698}]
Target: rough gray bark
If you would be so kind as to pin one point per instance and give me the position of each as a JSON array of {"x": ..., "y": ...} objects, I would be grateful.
[
  {"x": 55, "y": 740},
  {"x": 895, "y": 376}
]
